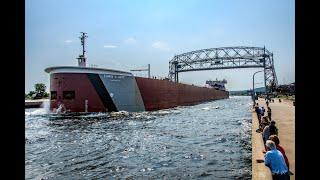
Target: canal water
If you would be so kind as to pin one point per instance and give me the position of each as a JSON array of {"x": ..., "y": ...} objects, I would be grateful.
[{"x": 206, "y": 141}]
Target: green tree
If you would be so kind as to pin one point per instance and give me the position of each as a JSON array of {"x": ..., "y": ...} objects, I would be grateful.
[
  {"x": 31, "y": 95},
  {"x": 40, "y": 90},
  {"x": 46, "y": 94}
]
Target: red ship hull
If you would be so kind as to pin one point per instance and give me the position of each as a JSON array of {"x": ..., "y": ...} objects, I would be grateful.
[
  {"x": 162, "y": 94},
  {"x": 102, "y": 90}
]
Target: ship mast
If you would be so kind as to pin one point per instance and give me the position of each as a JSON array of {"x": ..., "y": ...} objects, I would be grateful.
[{"x": 82, "y": 58}]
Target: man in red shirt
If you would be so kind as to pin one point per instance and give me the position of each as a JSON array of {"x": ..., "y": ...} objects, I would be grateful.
[{"x": 276, "y": 140}]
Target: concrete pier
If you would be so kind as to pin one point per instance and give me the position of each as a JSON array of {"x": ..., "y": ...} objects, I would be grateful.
[
  {"x": 34, "y": 103},
  {"x": 259, "y": 170},
  {"x": 284, "y": 115}
]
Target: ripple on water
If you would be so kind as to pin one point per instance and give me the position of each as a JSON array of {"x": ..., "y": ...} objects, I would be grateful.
[{"x": 203, "y": 141}]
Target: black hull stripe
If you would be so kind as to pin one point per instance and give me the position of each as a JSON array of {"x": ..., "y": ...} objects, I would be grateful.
[{"x": 102, "y": 91}]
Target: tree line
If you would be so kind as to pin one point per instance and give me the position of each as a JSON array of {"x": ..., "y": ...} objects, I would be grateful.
[{"x": 38, "y": 93}]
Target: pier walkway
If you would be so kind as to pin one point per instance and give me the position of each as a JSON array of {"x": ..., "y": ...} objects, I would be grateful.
[{"x": 284, "y": 115}]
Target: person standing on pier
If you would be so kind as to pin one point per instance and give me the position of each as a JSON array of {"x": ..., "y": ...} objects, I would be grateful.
[
  {"x": 273, "y": 130},
  {"x": 276, "y": 162},
  {"x": 269, "y": 113},
  {"x": 258, "y": 111},
  {"x": 265, "y": 135},
  {"x": 262, "y": 111},
  {"x": 265, "y": 122},
  {"x": 276, "y": 140},
  {"x": 268, "y": 131}
]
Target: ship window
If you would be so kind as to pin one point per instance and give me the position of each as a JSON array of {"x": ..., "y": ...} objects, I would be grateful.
[
  {"x": 68, "y": 94},
  {"x": 53, "y": 95}
]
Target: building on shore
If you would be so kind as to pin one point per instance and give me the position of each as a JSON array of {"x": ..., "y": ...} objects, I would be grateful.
[{"x": 287, "y": 89}]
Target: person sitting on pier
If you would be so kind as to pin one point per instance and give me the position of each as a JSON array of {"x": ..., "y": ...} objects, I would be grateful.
[
  {"x": 269, "y": 113},
  {"x": 276, "y": 140},
  {"x": 276, "y": 162}
]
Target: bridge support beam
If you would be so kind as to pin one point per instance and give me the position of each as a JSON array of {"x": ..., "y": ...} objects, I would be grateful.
[
  {"x": 176, "y": 77},
  {"x": 264, "y": 70}
]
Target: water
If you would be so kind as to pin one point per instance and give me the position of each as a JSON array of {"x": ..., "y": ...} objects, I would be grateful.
[{"x": 206, "y": 141}]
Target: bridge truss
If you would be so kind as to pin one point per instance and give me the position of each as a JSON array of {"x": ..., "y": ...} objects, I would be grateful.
[{"x": 226, "y": 58}]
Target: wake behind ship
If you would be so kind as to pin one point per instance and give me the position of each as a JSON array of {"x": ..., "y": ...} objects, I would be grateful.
[{"x": 88, "y": 89}]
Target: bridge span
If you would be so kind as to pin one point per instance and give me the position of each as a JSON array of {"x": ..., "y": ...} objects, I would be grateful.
[{"x": 226, "y": 58}]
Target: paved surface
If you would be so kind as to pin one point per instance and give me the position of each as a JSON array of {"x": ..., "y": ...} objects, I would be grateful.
[{"x": 284, "y": 115}]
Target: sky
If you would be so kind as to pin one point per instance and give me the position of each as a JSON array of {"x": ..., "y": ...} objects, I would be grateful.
[{"x": 126, "y": 34}]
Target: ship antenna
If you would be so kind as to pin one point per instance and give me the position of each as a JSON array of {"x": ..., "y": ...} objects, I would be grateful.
[{"x": 82, "y": 58}]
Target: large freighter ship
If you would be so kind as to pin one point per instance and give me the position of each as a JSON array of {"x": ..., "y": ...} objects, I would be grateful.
[{"x": 90, "y": 89}]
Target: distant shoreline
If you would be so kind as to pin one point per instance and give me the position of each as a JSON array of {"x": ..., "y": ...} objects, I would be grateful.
[{"x": 34, "y": 103}]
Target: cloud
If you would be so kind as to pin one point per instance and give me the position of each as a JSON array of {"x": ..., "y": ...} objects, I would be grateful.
[
  {"x": 160, "y": 45},
  {"x": 110, "y": 46},
  {"x": 68, "y": 41},
  {"x": 130, "y": 40}
]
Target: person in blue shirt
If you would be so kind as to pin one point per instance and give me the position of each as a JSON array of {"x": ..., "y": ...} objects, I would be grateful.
[
  {"x": 275, "y": 161},
  {"x": 259, "y": 111}
]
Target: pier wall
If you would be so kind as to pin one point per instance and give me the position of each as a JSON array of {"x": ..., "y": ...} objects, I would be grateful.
[
  {"x": 259, "y": 170},
  {"x": 34, "y": 103}
]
